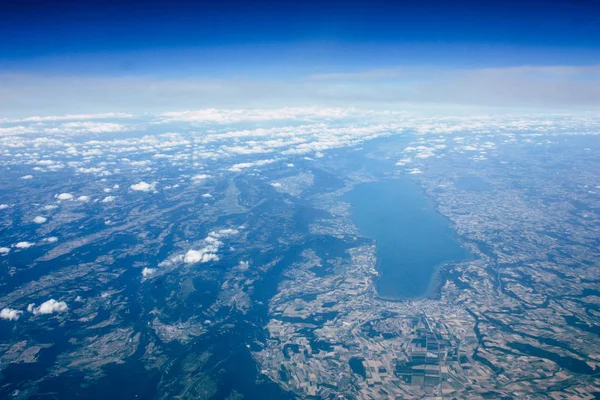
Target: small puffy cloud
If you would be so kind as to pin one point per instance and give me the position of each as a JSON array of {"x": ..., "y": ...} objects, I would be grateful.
[
  {"x": 27, "y": 177},
  {"x": 199, "y": 256},
  {"x": 83, "y": 199},
  {"x": 147, "y": 272},
  {"x": 108, "y": 199},
  {"x": 212, "y": 244},
  {"x": 200, "y": 177},
  {"x": 414, "y": 171},
  {"x": 40, "y": 220},
  {"x": 92, "y": 152},
  {"x": 51, "y": 239},
  {"x": 24, "y": 245},
  {"x": 143, "y": 186},
  {"x": 4, "y": 250},
  {"x": 243, "y": 265},
  {"x": 48, "y": 307},
  {"x": 470, "y": 148},
  {"x": 290, "y": 165},
  {"x": 10, "y": 314},
  {"x": 49, "y": 207},
  {"x": 65, "y": 196},
  {"x": 4, "y": 206},
  {"x": 276, "y": 184},
  {"x": 207, "y": 196}
]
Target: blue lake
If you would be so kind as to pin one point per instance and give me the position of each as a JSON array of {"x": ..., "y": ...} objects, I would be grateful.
[{"x": 413, "y": 240}]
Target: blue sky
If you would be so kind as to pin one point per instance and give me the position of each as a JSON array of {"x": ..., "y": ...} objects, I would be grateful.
[{"x": 231, "y": 53}]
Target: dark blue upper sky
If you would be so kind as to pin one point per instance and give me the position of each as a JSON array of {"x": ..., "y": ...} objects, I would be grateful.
[{"x": 43, "y": 28}]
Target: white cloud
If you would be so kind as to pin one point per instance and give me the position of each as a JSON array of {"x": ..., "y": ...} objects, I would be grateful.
[
  {"x": 89, "y": 127},
  {"x": 147, "y": 272},
  {"x": 403, "y": 161},
  {"x": 200, "y": 177},
  {"x": 51, "y": 239},
  {"x": 108, "y": 199},
  {"x": 240, "y": 166},
  {"x": 212, "y": 244},
  {"x": 207, "y": 195},
  {"x": 10, "y": 314},
  {"x": 222, "y": 232},
  {"x": 143, "y": 186},
  {"x": 27, "y": 177},
  {"x": 83, "y": 199},
  {"x": 65, "y": 196},
  {"x": 48, "y": 307},
  {"x": 92, "y": 170},
  {"x": 4, "y": 206},
  {"x": 24, "y": 245},
  {"x": 40, "y": 219},
  {"x": 4, "y": 250},
  {"x": 243, "y": 265},
  {"x": 199, "y": 256}
]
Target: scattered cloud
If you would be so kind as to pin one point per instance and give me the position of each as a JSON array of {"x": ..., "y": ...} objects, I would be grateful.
[
  {"x": 148, "y": 272},
  {"x": 240, "y": 166},
  {"x": 200, "y": 256},
  {"x": 40, "y": 219},
  {"x": 143, "y": 187},
  {"x": 210, "y": 247},
  {"x": 48, "y": 307},
  {"x": 10, "y": 314},
  {"x": 64, "y": 196},
  {"x": 23, "y": 245},
  {"x": 200, "y": 177}
]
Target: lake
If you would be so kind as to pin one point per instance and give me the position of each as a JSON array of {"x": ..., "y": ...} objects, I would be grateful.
[{"x": 413, "y": 240}]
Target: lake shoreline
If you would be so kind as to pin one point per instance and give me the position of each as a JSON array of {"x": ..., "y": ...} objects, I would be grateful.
[{"x": 414, "y": 241}]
